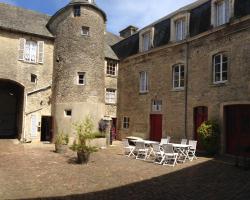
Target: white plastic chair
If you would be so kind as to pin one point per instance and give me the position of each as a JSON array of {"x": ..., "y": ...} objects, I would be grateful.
[
  {"x": 165, "y": 140},
  {"x": 183, "y": 141},
  {"x": 170, "y": 157},
  {"x": 192, "y": 150},
  {"x": 158, "y": 153},
  {"x": 129, "y": 150},
  {"x": 141, "y": 150}
]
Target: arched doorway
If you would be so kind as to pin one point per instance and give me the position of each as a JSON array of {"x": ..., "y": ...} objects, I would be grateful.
[{"x": 11, "y": 109}]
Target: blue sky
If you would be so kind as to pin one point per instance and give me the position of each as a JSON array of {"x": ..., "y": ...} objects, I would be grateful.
[{"x": 120, "y": 13}]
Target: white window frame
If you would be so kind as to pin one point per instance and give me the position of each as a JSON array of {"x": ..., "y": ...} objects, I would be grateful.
[
  {"x": 227, "y": 9},
  {"x": 85, "y": 28},
  {"x": 125, "y": 123},
  {"x": 221, "y": 71},
  {"x": 156, "y": 105},
  {"x": 149, "y": 31},
  {"x": 180, "y": 29},
  {"x": 179, "y": 66},
  {"x": 79, "y": 78},
  {"x": 30, "y": 51},
  {"x": 110, "y": 96},
  {"x": 184, "y": 18},
  {"x": 143, "y": 82},
  {"x": 78, "y": 8},
  {"x": 112, "y": 65}
]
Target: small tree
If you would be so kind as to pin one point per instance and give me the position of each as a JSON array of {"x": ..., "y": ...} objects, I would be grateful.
[
  {"x": 85, "y": 134},
  {"x": 209, "y": 133}
]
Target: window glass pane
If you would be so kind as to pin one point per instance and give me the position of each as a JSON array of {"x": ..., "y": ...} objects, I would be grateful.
[
  {"x": 217, "y": 77},
  {"x": 224, "y": 67},
  {"x": 182, "y": 83},
  {"x": 217, "y": 59},
  {"x": 146, "y": 41},
  {"x": 217, "y": 68},
  {"x": 224, "y": 76},
  {"x": 143, "y": 82},
  {"x": 224, "y": 58}
]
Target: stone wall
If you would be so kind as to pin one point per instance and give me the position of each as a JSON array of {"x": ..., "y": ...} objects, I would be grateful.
[
  {"x": 20, "y": 72},
  {"x": 232, "y": 39}
]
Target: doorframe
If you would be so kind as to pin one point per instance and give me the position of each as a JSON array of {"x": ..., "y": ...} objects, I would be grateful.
[{"x": 222, "y": 121}]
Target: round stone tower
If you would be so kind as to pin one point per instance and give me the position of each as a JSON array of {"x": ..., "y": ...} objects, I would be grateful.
[{"x": 78, "y": 75}]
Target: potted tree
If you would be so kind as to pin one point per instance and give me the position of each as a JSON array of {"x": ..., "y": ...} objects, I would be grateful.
[
  {"x": 61, "y": 143},
  {"x": 84, "y": 132}
]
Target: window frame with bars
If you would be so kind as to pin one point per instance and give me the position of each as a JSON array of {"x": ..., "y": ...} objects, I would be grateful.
[
  {"x": 110, "y": 99},
  {"x": 156, "y": 105},
  {"x": 125, "y": 123},
  {"x": 180, "y": 78},
  {"x": 111, "y": 69},
  {"x": 218, "y": 68},
  {"x": 77, "y": 11},
  {"x": 143, "y": 82}
]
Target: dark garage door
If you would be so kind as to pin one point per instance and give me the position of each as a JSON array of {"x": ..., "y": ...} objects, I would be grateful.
[{"x": 237, "y": 123}]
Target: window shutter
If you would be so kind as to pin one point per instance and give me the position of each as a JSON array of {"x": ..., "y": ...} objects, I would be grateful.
[
  {"x": 40, "y": 51},
  {"x": 21, "y": 49}
]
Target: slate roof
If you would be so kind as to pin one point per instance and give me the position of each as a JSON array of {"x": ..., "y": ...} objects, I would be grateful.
[
  {"x": 111, "y": 39},
  {"x": 22, "y": 20}
]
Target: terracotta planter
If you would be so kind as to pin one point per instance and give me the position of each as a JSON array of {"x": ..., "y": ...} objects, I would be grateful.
[
  {"x": 61, "y": 148},
  {"x": 82, "y": 157}
]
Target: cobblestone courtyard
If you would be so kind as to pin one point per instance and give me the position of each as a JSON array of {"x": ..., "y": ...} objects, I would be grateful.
[{"x": 28, "y": 172}]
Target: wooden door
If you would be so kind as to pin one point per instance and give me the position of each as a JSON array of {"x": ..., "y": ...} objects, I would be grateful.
[
  {"x": 155, "y": 127},
  {"x": 237, "y": 128},
  {"x": 200, "y": 116}
]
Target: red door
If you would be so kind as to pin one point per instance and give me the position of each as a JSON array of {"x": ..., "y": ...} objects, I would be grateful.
[
  {"x": 155, "y": 127},
  {"x": 200, "y": 116},
  {"x": 237, "y": 127}
]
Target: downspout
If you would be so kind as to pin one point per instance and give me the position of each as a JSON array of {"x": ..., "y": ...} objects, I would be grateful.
[
  {"x": 186, "y": 90},
  {"x": 24, "y": 116}
]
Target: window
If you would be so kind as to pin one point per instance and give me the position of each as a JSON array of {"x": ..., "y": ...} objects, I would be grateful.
[
  {"x": 146, "y": 41},
  {"x": 143, "y": 82},
  {"x": 85, "y": 30},
  {"x": 180, "y": 29},
  {"x": 220, "y": 67},
  {"x": 221, "y": 12},
  {"x": 178, "y": 76},
  {"x": 68, "y": 113},
  {"x": 77, "y": 11},
  {"x": 33, "y": 78},
  {"x": 156, "y": 105},
  {"x": 111, "y": 67},
  {"x": 111, "y": 96},
  {"x": 126, "y": 122},
  {"x": 81, "y": 78},
  {"x": 30, "y": 51}
]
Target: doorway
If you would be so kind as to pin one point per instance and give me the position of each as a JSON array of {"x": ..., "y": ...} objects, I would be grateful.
[
  {"x": 200, "y": 116},
  {"x": 155, "y": 127},
  {"x": 46, "y": 128},
  {"x": 11, "y": 109},
  {"x": 237, "y": 129}
]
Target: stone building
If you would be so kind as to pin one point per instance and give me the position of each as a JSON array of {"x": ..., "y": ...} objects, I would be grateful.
[
  {"x": 188, "y": 67},
  {"x": 55, "y": 70}
]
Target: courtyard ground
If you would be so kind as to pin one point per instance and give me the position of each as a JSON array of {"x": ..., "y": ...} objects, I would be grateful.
[{"x": 36, "y": 172}]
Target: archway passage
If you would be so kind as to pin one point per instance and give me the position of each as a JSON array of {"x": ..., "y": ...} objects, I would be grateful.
[
  {"x": 11, "y": 109},
  {"x": 237, "y": 127}
]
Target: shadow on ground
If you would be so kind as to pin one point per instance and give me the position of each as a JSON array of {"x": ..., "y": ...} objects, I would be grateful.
[{"x": 211, "y": 180}]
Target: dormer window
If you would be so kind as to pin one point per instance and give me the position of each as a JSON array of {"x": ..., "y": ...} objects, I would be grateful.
[
  {"x": 146, "y": 39},
  {"x": 77, "y": 11},
  {"x": 222, "y": 11},
  {"x": 180, "y": 29}
]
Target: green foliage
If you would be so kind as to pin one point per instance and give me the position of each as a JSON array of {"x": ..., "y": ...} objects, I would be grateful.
[
  {"x": 99, "y": 135},
  {"x": 85, "y": 134},
  {"x": 209, "y": 133},
  {"x": 62, "y": 139}
]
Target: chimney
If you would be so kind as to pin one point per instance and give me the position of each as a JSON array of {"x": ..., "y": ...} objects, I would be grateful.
[{"x": 130, "y": 30}]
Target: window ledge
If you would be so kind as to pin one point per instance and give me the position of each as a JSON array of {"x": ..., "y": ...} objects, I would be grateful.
[
  {"x": 111, "y": 76},
  {"x": 178, "y": 89},
  {"x": 32, "y": 63},
  {"x": 143, "y": 93},
  {"x": 219, "y": 84},
  {"x": 110, "y": 104}
]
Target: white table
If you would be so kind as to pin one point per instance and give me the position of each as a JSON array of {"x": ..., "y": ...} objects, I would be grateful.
[
  {"x": 147, "y": 142},
  {"x": 182, "y": 149}
]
